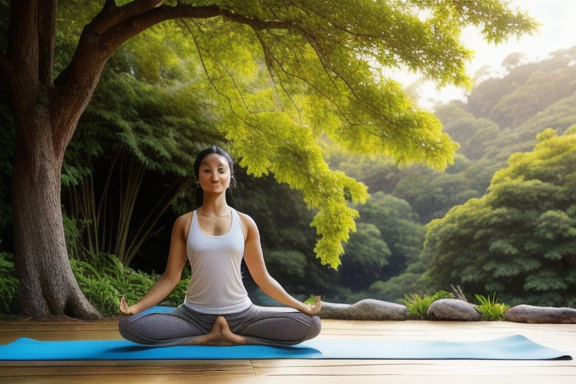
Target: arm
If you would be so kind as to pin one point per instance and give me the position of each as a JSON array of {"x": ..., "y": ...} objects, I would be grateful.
[
  {"x": 255, "y": 262},
  {"x": 171, "y": 276}
]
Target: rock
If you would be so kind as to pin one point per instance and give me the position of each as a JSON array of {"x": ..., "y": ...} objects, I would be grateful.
[
  {"x": 453, "y": 309},
  {"x": 539, "y": 315},
  {"x": 367, "y": 309},
  {"x": 335, "y": 311}
]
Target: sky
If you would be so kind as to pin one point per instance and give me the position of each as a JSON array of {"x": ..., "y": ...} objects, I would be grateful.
[{"x": 557, "y": 31}]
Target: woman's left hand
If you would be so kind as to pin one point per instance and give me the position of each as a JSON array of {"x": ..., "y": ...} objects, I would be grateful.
[{"x": 313, "y": 309}]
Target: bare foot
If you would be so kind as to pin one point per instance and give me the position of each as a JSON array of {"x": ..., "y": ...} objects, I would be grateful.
[{"x": 219, "y": 335}]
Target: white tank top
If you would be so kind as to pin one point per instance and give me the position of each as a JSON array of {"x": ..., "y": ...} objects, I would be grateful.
[{"x": 216, "y": 283}]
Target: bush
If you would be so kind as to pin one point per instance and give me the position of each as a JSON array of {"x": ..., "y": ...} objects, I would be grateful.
[
  {"x": 9, "y": 303},
  {"x": 490, "y": 309},
  {"x": 104, "y": 280},
  {"x": 418, "y": 306}
]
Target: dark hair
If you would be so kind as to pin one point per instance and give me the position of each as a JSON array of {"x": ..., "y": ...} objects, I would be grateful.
[{"x": 199, "y": 193}]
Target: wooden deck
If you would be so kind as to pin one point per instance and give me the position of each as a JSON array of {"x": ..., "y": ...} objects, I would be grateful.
[{"x": 560, "y": 337}]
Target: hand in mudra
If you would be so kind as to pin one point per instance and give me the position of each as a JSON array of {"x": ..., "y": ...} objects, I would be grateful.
[
  {"x": 125, "y": 308},
  {"x": 313, "y": 309}
]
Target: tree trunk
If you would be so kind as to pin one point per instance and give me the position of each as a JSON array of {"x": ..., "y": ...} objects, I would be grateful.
[{"x": 47, "y": 284}]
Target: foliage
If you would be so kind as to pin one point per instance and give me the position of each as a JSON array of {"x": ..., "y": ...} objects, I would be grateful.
[
  {"x": 366, "y": 255},
  {"x": 519, "y": 239},
  {"x": 485, "y": 146},
  {"x": 7, "y": 138},
  {"x": 8, "y": 284},
  {"x": 474, "y": 134},
  {"x": 394, "y": 289},
  {"x": 490, "y": 309},
  {"x": 338, "y": 95},
  {"x": 292, "y": 263},
  {"x": 311, "y": 300},
  {"x": 247, "y": 94},
  {"x": 279, "y": 77},
  {"x": 529, "y": 88},
  {"x": 399, "y": 227},
  {"x": 104, "y": 279},
  {"x": 485, "y": 141},
  {"x": 284, "y": 225},
  {"x": 135, "y": 145},
  {"x": 418, "y": 305}
]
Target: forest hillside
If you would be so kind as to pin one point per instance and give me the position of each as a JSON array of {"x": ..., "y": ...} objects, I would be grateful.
[{"x": 501, "y": 118}]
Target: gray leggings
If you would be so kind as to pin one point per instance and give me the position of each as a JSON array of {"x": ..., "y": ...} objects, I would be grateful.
[{"x": 263, "y": 325}]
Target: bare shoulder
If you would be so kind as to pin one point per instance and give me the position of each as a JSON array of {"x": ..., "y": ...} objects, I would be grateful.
[
  {"x": 248, "y": 224},
  {"x": 182, "y": 224}
]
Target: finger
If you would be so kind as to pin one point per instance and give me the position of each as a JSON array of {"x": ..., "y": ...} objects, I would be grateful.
[{"x": 124, "y": 306}]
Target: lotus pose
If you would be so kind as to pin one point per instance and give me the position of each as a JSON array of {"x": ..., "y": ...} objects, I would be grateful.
[{"x": 217, "y": 310}]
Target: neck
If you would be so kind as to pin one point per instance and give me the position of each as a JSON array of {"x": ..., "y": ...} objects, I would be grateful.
[{"x": 214, "y": 206}]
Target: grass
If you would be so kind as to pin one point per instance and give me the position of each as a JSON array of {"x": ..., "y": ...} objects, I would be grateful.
[
  {"x": 418, "y": 305},
  {"x": 490, "y": 309}
]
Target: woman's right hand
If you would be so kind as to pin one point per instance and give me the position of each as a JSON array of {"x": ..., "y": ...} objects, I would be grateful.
[{"x": 125, "y": 308}]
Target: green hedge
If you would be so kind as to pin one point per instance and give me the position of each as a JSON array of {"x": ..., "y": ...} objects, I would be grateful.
[{"x": 103, "y": 279}]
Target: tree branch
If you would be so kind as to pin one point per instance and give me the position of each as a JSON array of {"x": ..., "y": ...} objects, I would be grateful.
[
  {"x": 21, "y": 41},
  {"x": 116, "y": 27},
  {"x": 47, "y": 12},
  {"x": 111, "y": 28},
  {"x": 112, "y": 15},
  {"x": 19, "y": 66}
]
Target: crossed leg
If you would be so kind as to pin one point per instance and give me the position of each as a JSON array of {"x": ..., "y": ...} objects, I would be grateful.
[
  {"x": 186, "y": 327},
  {"x": 219, "y": 335}
]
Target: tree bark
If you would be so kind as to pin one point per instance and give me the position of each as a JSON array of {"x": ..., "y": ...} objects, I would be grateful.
[
  {"x": 47, "y": 284},
  {"x": 45, "y": 118}
]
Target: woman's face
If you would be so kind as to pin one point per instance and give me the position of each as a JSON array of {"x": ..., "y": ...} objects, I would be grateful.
[{"x": 214, "y": 174}]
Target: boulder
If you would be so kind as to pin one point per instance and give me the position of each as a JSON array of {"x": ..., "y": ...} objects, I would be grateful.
[
  {"x": 540, "y": 315},
  {"x": 453, "y": 309},
  {"x": 368, "y": 309}
]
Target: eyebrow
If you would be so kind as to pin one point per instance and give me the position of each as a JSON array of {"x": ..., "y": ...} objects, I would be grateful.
[{"x": 223, "y": 163}]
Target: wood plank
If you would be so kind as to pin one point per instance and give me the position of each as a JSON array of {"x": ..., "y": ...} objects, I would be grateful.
[
  {"x": 235, "y": 379},
  {"x": 420, "y": 368},
  {"x": 557, "y": 336},
  {"x": 70, "y": 368}
]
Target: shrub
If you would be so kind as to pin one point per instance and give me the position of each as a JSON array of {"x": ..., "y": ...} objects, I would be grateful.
[
  {"x": 105, "y": 279},
  {"x": 490, "y": 309},
  {"x": 418, "y": 306},
  {"x": 8, "y": 285}
]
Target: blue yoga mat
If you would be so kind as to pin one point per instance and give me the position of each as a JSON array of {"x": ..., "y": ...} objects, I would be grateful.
[{"x": 508, "y": 348}]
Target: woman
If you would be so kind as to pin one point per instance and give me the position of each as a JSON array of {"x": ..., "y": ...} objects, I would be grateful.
[{"x": 217, "y": 310}]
